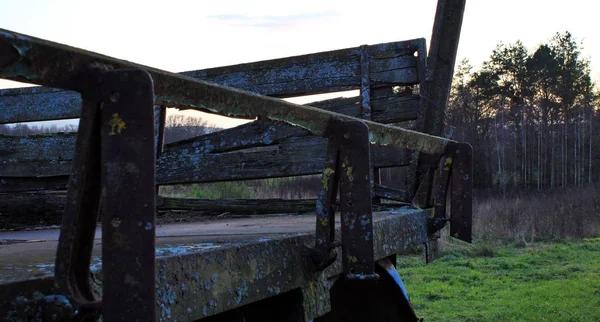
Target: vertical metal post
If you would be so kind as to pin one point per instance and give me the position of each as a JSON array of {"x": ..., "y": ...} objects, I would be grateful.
[
  {"x": 326, "y": 206},
  {"x": 160, "y": 115},
  {"x": 461, "y": 202},
  {"x": 128, "y": 196},
  {"x": 356, "y": 200},
  {"x": 78, "y": 227}
]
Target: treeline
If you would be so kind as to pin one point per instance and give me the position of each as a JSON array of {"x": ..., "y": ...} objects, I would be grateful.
[
  {"x": 177, "y": 127},
  {"x": 530, "y": 116},
  {"x": 24, "y": 129}
]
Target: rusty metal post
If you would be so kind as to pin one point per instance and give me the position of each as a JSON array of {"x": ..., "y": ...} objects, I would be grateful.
[
  {"x": 356, "y": 200},
  {"x": 128, "y": 196},
  {"x": 74, "y": 252},
  {"x": 461, "y": 203},
  {"x": 324, "y": 253}
]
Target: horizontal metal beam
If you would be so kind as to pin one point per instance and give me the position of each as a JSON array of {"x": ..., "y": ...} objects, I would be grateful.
[
  {"x": 205, "y": 282},
  {"x": 32, "y": 60}
]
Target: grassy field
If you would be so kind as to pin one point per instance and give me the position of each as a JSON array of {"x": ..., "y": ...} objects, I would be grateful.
[{"x": 545, "y": 282}]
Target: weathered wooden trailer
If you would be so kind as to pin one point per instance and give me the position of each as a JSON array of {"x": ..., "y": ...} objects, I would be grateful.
[{"x": 329, "y": 259}]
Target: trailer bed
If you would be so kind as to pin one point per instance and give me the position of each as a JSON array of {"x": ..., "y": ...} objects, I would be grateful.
[{"x": 263, "y": 254}]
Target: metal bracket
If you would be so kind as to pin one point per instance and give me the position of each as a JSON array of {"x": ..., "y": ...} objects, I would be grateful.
[
  {"x": 347, "y": 163},
  {"x": 454, "y": 171},
  {"x": 113, "y": 174}
]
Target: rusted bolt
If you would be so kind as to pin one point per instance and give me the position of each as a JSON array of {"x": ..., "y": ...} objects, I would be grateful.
[
  {"x": 114, "y": 97},
  {"x": 116, "y": 222}
]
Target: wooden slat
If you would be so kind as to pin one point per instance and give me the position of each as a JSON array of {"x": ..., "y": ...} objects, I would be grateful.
[
  {"x": 36, "y": 155},
  {"x": 31, "y": 209},
  {"x": 389, "y": 193},
  {"x": 296, "y": 156},
  {"x": 19, "y": 184},
  {"x": 323, "y": 72},
  {"x": 390, "y": 64},
  {"x": 41, "y": 104},
  {"x": 246, "y": 206},
  {"x": 38, "y": 104},
  {"x": 189, "y": 162}
]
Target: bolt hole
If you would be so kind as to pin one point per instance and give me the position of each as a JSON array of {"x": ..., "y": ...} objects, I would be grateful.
[
  {"x": 116, "y": 222},
  {"x": 350, "y": 203},
  {"x": 114, "y": 97},
  {"x": 346, "y": 136}
]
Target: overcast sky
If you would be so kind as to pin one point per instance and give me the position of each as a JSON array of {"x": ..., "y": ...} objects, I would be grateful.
[{"x": 177, "y": 35}]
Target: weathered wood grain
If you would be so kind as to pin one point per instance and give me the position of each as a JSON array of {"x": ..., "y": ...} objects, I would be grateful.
[
  {"x": 38, "y": 104},
  {"x": 31, "y": 209},
  {"x": 323, "y": 72},
  {"x": 389, "y": 193},
  {"x": 189, "y": 161},
  {"x": 50, "y": 155},
  {"x": 41, "y": 104},
  {"x": 20, "y": 184},
  {"x": 246, "y": 206},
  {"x": 36, "y": 155},
  {"x": 295, "y": 156}
]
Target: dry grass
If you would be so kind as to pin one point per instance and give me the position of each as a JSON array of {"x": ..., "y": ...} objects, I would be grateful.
[{"x": 565, "y": 214}]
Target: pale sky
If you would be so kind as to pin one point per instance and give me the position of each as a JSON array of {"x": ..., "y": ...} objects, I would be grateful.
[{"x": 178, "y": 35}]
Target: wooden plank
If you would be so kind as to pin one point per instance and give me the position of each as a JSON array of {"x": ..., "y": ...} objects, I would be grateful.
[
  {"x": 38, "y": 104},
  {"x": 19, "y": 184},
  {"x": 323, "y": 72},
  {"x": 296, "y": 156},
  {"x": 246, "y": 206},
  {"x": 389, "y": 193},
  {"x": 36, "y": 155},
  {"x": 31, "y": 209},
  {"x": 390, "y": 63},
  {"x": 249, "y": 135},
  {"x": 188, "y": 161},
  {"x": 41, "y": 104}
]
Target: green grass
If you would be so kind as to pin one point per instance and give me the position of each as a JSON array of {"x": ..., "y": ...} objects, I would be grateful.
[{"x": 551, "y": 282}]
